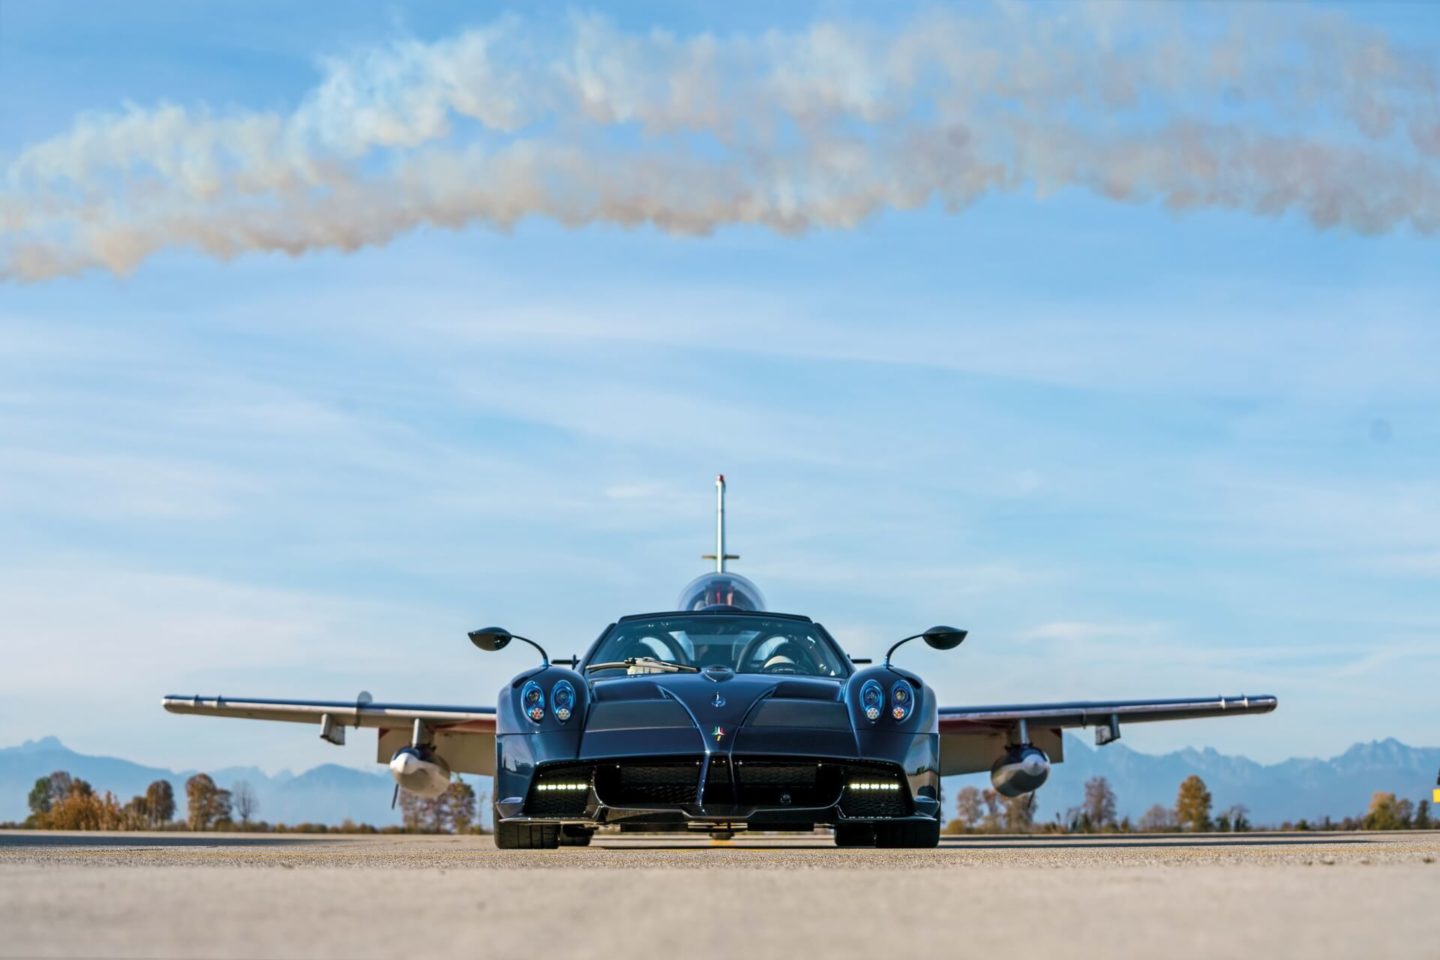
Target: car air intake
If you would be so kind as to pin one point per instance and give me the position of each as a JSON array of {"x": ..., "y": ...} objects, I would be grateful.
[
  {"x": 873, "y": 794},
  {"x": 562, "y": 791},
  {"x": 671, "y": 784},
  {"x": 765, "y": 783}
]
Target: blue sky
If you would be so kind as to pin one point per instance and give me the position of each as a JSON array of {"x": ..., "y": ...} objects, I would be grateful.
[{"x": 1137, "y": 452}]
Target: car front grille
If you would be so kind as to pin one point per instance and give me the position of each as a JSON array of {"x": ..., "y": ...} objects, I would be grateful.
[
  {"x": 764, "y": 783},
  {"x": 862, "y": 791},
  {"x": 670, "y": 784}
]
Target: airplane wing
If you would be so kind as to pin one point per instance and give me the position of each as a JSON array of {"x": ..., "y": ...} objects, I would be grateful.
[
  {"x": 973, "y": 738},
  {"x": 463, "y": 736}
]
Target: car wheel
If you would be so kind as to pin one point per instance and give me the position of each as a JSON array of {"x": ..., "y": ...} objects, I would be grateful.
[
  {"x": 854, "y": 835},
  {"x": 526, "y": 836},
  {"x": 908, "y": 833}
]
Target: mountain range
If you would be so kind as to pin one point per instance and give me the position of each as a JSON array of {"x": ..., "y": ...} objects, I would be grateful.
[
  {"x": 325, "y": 794},
  {"x": 1289, "y": 790},
  {"x": 1272, "y": 793}
]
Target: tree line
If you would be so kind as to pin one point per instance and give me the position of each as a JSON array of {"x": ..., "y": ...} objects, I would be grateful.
[
  {"x": 1386, "y": 812},
  {"x": 986, "y": 811},
  {"x": 62, "y": 802}
]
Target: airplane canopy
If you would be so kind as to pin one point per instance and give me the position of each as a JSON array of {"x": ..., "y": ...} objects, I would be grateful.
[{"x": 720, "y": 590}]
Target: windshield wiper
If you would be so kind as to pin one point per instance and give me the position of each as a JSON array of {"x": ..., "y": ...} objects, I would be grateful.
[{"x": 628, "y": 662}]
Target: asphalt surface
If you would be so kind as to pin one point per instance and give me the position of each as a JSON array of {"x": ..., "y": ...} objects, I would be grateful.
[{"x": 243, "y": 896}]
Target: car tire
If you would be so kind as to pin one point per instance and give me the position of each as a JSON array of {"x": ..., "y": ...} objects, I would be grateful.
[
  {"x": 912, "y": 834},
  {"x": 571, "y": 836},
  {"x": 854, "y": 835},
  {"x": 526, "y": 836}
]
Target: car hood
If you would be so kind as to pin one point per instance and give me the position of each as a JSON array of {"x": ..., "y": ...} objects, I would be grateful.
[
  {"x": 712, "y": 712},
  {"x": 694, "y": 689}
]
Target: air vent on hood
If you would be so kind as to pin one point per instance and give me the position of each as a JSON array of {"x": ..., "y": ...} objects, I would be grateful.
[
  {"x": 801, "y": 713},
  {"x": 637, "y": 715},
  {"x": 807, "y": 690},
  {"x": 620, "y": 688}
]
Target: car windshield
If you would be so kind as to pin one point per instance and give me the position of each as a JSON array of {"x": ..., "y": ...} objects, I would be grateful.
[{"x": 745, "y": 644}]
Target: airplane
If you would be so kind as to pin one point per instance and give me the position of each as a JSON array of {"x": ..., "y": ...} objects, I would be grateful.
[{"x": 717, "y": 716}]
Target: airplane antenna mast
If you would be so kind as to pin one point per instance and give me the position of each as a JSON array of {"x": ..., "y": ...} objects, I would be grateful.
[{"x": 720, "y": 556}]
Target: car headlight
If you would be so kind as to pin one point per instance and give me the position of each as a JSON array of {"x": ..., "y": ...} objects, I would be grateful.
[
  {"x": 902, "y": 699},
  {"x": 872, "y": 700},
  {"x": 532, "y": 701},
  {"x": 562, "y": 700}
]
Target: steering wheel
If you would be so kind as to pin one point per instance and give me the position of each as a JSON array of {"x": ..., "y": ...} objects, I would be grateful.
[
  {"x": 787, "y": 647},
  {"x": 789, "y": 656}
]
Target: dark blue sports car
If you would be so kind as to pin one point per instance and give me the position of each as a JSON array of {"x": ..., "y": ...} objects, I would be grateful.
[{"x": 717, "y": 717}]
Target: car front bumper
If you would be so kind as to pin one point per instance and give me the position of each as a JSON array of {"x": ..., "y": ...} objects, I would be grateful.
[{"x": 762, "y": 792}]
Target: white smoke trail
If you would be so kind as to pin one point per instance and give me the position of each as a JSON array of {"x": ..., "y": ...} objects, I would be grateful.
[{"x": 1307, "y": 114}]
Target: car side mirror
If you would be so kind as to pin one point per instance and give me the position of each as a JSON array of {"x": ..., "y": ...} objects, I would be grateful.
[
  {"x": 491, "y": 639},
  {"x": 940, "y": 638},
  {"x": 498, "y": 638},
  {"x": 944, "y": 638}
]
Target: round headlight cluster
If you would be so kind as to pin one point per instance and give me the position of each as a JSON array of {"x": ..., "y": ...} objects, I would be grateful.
[
  {"x": 562, "y": 700},
  {"x": 872, "y": 700},
  {"x": 902, "y": 699},
  {"x": 532, "y": 701}
]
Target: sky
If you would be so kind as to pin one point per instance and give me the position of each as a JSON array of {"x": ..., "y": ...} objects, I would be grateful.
[{"x": 329, "y": 332}]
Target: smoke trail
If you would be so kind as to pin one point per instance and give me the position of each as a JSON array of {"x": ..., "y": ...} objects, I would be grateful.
[{"x": 1304, "y": 114}]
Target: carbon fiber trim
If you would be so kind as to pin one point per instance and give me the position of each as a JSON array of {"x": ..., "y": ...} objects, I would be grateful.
[
  {"x": 637, "y": 715},
  {"x": 815, "y": 714}
]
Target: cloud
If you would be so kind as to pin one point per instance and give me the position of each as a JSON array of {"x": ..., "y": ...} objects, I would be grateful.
[
  {"x": 1304, "y": 113},
  {"x": 1076, "y": 632}
]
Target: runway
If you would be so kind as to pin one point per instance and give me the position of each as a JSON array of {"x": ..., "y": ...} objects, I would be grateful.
[{"x": 263, "y": 896}]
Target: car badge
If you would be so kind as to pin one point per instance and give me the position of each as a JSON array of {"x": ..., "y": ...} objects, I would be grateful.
[
  {"x": 719, "y": 701},
  {"x": 718, "y": 733}
]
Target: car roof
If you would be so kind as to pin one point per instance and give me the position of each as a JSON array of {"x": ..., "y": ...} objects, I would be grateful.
[{"x": 717, "y": 612}]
